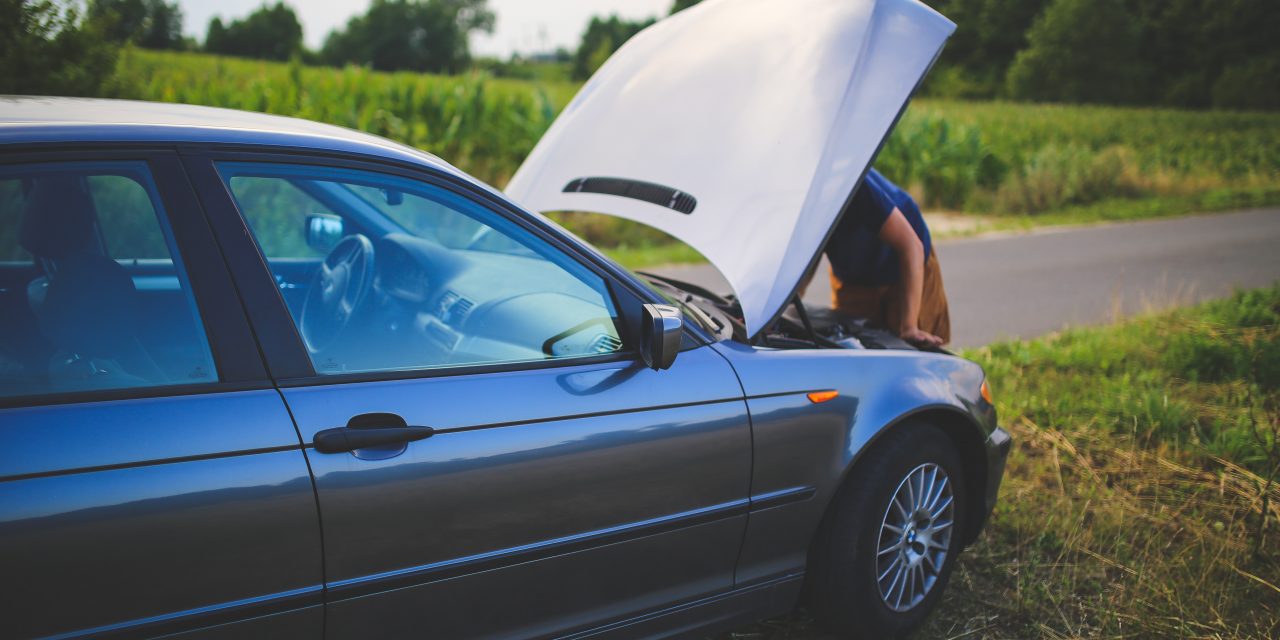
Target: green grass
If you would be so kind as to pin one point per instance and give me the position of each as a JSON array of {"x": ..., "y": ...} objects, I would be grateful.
[
  {"x": 1035, "y": 165},
  {"x": 1133, "y": 505},
  {"x": 641, "y": 256}
]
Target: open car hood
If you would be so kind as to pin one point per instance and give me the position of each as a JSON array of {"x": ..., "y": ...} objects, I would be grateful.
[{"x": 741, "y": 127}]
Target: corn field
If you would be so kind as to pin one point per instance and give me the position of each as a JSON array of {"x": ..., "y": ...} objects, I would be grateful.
[{"x": 962, "y": 156}]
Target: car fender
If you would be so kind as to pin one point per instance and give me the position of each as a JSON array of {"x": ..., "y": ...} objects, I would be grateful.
[{"x": 805, "y": 449}]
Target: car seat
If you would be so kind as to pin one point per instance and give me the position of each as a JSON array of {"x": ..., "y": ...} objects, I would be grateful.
[{"x": 85, "y": 304}]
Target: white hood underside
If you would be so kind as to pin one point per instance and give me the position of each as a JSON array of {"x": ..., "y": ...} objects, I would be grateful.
[{"x": 757, "y": 117}]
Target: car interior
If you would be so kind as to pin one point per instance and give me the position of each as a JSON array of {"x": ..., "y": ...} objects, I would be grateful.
[
  {"x": 72, "y": 315},
  {"x": 381, "y": 273}
]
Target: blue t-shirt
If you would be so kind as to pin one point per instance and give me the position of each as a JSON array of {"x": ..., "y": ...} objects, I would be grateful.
[{"x": 856, "y": 253}]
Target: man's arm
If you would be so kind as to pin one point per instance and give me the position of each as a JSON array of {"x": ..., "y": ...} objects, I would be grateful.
[{"x": 897, "y": 233}]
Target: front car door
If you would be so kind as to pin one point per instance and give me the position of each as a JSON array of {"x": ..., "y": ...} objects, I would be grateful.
[
  {"x": 151, "y": 479},
  {"x": 566, "y": 485}
]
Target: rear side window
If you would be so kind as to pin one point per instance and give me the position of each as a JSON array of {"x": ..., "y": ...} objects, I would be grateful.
[{"x": 93, "y": 295}]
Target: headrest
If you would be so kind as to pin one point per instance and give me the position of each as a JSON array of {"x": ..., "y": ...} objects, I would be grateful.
[{"x": 58, "y": 218}]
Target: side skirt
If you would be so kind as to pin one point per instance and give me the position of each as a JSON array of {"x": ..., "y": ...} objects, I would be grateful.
[{"x": 721, "y": 612}]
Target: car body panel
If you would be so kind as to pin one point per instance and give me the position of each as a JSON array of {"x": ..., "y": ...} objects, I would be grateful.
[
  {"x": 87, "y": 121},
  {"x": 876, "y": 389},
  {"x": 135, "y": 515},
  {"x": 741, "y": 127},
  {"x": 533, "y": 475}
]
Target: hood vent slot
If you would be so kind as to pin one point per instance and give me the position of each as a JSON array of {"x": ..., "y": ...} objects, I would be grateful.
[{"x": 660, "y": 195}]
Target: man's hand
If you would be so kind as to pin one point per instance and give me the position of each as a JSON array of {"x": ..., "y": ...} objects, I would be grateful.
[{"x": 919, "y": 338}]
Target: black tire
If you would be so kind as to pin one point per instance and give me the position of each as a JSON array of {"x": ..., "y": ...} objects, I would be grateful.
[{"x": 842, "y": 589}]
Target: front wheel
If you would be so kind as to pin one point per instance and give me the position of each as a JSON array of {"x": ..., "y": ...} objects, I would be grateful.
[{"x": 890, "y": 540}]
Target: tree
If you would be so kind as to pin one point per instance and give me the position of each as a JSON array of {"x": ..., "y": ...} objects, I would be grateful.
[
  {"x": 153, "y": 24},
  {"x": 271, "y": 32},
  {"x": 989, "y": 33},
  {"x": 602, "y": 38},
  {"x": 681, "y": 5},
  {"x": 46, "y": 49},
  {"x": 417, "y": 35},
  {"x": 1080, "y": 51},
  {"x": 1223, "y": 53}
]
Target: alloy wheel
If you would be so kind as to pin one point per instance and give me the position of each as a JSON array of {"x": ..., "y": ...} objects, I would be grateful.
[{"x": 915, "y": 537}]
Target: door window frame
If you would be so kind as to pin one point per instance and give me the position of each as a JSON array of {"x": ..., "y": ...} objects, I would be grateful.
[
  {"x": 282, "y": 345},
  {"x": 222, "y": 318}
]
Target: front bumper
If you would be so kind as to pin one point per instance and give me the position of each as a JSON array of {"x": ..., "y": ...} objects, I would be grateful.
[{"x": 997, "y": 451}]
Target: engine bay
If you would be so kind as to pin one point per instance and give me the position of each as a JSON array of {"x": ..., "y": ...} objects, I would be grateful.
[{"x": 799, "y": 327}]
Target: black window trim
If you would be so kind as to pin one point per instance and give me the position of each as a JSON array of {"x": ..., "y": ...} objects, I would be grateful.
[
  {"x": 231, "y": 343},
  {"x": 282, "y": 346}
]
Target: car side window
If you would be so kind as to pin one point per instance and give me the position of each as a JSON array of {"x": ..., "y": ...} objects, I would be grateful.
[
  {"x": 93, "y": 295},
  {"x": 277, "y": 210},
  {"x": 410, "y": 275}
]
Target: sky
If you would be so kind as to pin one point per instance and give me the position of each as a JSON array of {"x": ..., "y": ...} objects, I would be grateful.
[{"x": 524, "y": 26}]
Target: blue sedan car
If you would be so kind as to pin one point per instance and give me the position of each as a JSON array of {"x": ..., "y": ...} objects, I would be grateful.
[{"x": 261, "y": 377}]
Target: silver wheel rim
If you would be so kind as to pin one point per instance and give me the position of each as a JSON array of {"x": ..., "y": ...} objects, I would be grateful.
[{"x": 915, "y": 536}]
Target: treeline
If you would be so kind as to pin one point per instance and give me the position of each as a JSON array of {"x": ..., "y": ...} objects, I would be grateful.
[
  {"x": 393, "y": 35},
  {"x": 51, "y": 47},
  {"x": 1178, "y": 53}
]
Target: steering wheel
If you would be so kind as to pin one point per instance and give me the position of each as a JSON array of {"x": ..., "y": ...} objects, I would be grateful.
[{"x": 340, "y": 286}]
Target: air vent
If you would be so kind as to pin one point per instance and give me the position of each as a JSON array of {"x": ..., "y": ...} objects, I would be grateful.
[
  {"x": 446, "y": 303},
  {"x": 660, "y": 195},
  {"x": 461, "y": 308},
  {"x": 453, "y": 307},
  {"x": 605, "y": 343}
]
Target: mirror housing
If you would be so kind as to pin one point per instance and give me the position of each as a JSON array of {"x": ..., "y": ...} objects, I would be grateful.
[
  {"x": 324, "y": 231},
  {"x": 662, "y": 328}
]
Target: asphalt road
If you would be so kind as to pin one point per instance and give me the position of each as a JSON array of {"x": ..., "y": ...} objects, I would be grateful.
[{"x": 1022, "y": 286}]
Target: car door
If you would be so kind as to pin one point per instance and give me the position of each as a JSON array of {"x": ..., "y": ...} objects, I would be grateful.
[
  {"x": 151, "y": 479},
  {"x": 565, "y": 484}
]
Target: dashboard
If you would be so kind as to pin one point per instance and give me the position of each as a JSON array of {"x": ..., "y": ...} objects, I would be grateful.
[{"x": 436, "y": 306}]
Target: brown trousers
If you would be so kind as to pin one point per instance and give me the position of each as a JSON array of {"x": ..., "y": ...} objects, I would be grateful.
[{"x": 883, "y": 305}]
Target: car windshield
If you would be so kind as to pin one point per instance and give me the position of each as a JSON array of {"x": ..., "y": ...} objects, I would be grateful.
[{"x": 430, "y": 219}]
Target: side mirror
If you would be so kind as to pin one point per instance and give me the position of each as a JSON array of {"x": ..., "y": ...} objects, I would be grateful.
[
  {"x": 324, "y": 231},
  {"x": 660, "y": 335}
]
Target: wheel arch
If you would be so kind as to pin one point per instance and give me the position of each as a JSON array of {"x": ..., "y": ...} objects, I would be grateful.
[{"x": 964, "y": 432}]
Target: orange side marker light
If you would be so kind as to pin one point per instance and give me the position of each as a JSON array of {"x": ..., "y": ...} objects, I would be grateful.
[
  {"x": 822, "y": 396},
  {"x": 986, "y": 392}
]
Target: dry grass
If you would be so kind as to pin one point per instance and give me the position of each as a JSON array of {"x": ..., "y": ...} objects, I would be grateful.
[{"x": 1136, "y": 502}]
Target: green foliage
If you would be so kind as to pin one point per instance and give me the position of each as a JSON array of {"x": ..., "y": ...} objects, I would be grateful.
[
  {"x": 1183, "y": 53},
  {"x": 270, "y": 33},
  {"x": 1079, "y": 51},
  {"x": 1065, "y": 164},
  {"x": 681, "y": 5},
  {"x": 602, "y": 37},
  {"x": 1170, "y": 379},
  {"x": 989, "y": 33},
  {"x": 1252, "y": 84},
  {"x": 1055, "y": 177},
  {"x": 127, "y": 218},
  {"x": 483, "y": 124},
  {"x": 153, "y": 24},
  {"x": 945, "y": 161},
  {"x": 47, "y": 49},
  {"x": 1018, "y": 158},
  {"x": 416, "y": 35},
  {"x": 1203, "y": 356}
]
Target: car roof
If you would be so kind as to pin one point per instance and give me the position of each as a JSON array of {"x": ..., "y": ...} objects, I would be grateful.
[{"x": 42, "y": 119}]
